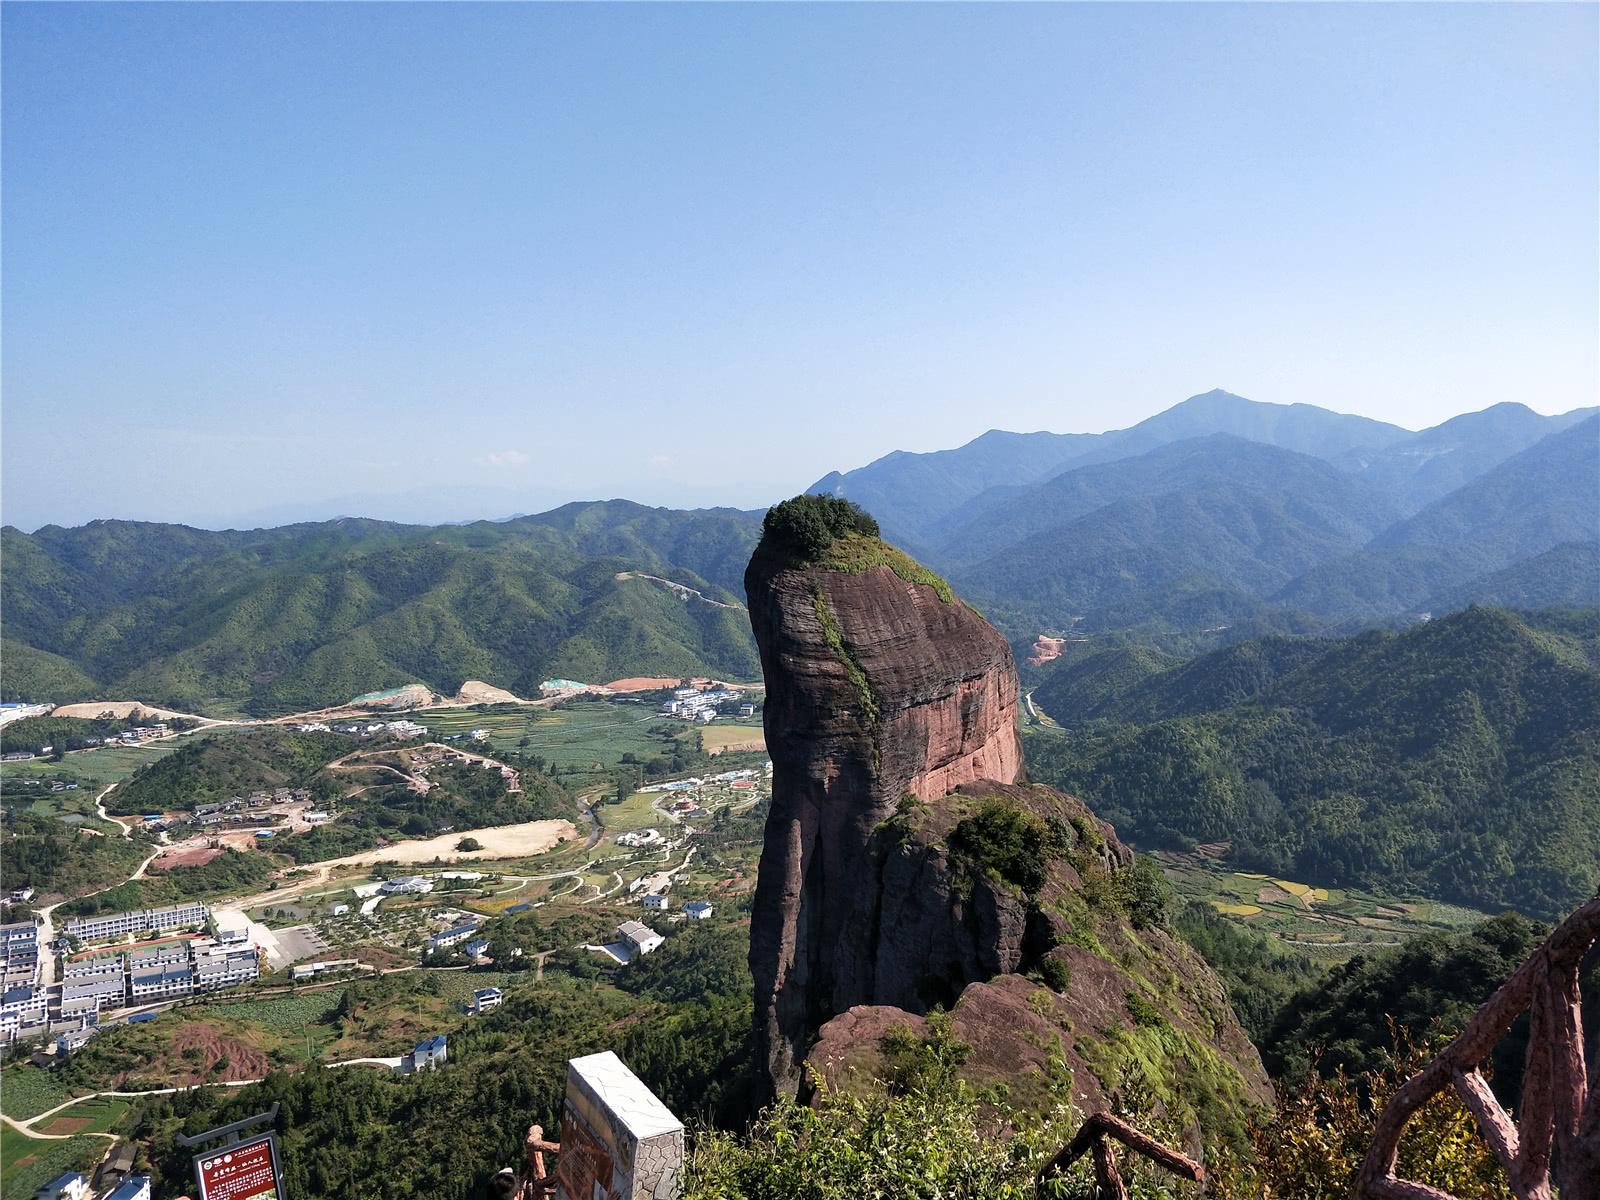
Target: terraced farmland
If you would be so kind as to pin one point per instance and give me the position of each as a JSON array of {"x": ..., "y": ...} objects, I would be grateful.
[{"x": 1330, "y": 923}]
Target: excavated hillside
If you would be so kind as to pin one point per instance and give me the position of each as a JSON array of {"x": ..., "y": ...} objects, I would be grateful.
[{"x": 907, "y": 866}]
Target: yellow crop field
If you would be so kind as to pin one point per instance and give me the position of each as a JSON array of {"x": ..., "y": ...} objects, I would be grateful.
[{"x": 1237, "y": 910}]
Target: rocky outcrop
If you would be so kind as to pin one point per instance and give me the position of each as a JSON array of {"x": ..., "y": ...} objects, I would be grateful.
[
  {"x": 907, "y": 866},
  {"x": 878, "y": 689}
]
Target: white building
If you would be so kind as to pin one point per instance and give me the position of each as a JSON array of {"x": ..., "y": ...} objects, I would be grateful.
[
  {"x": 71, "y": 1186},
  {"x": 641, "y": 837},
  {"x": 656, "y": 902},
  {"x": 452, "y": 937},
  {"x": 232, "y": 926},
  {"x": 134, "y": 1187},
  {"x": 428, "y": 1055},
  {"x": 406, "y": 885},
  {"x": 87, "y": 994},
  {"x": 19, "y": 954},
  {"x": 217, "y": 967},
  {"x": 485, "y": 999},
  {"x": 23, "y": 1009},
  {"x": 639, "y": 937},
  {"x": 160, "y": 983},
  {"x": 116, "y": 925},
  {"x": 697, "y": 910}
]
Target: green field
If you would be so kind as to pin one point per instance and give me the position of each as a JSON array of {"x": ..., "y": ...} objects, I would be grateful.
[
  {"x": 26, "y": 1163},
  {"x": 103, "y": 1114},
  {"x": 583, "y": 737},
  {"x": 74, "y": 808},
  {"x": 1329, "y": 923},
  {"x": 110, "y": 764},
  {"x": 27, "y": 1090}
]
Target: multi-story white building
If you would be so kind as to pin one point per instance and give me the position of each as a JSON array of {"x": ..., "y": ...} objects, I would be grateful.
[
  {"x": 134, "y": 1187},
  {"x": 697, "y": 910},
  {"x": 19, "y": 953},
  {"x": 114, "y": 925},
  {"x": 452, "y": 937},
  {"x": 71, "y": 1186},
  {"x": 217, "y": 967},
  {"x": 23, "y": 1010},
  {"x": 85, "y": 994},
  {"x": 656, "y": 902},
  {"x": 428, "y": 1055},
  {"x": 486, "y": 998},
  {"x": 161, "y": 983}
]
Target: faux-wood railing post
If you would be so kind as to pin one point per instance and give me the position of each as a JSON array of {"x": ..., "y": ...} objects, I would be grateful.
[
  {"x": 1095, "y": 1136},
  {"x": 1560, "y": 1106}
]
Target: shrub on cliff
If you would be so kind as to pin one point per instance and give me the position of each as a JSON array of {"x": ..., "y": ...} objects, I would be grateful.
[
  {"x": 805, "y": 526},
  {"x": 1008, "y": 844}
]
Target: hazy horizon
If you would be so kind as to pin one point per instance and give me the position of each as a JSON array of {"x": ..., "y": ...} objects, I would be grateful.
[{"x": 456, "y": 262}]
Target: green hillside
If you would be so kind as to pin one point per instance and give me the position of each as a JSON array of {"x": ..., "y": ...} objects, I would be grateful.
[
  {"x": 1459, "y": 759},
  {"x": 271, "y": 621}
]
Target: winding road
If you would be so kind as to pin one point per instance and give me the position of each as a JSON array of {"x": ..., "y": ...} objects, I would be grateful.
[{"x": 25, "y": 1126}]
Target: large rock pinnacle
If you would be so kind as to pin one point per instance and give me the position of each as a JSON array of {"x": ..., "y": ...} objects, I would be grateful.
[
  {"x": 907, "y": 867},
  {"x": 879, "y": 688}
]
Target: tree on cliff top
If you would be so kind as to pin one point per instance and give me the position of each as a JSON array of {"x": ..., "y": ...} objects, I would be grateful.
[{"x": 805, "y": 526}]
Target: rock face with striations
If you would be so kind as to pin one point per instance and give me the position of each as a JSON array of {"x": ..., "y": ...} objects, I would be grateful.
[
  {"x": 885, "y": 887},
  {"x": 877, "y": 689}
]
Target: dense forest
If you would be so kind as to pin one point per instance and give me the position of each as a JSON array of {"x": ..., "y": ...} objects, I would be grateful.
[
  {"x": 214, "y": 767},
  {"x": 271, "y": 621},
  {"x": 1458, "y": 758}
]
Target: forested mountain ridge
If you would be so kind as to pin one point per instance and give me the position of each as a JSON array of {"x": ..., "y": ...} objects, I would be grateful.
[
  {"x": 1459, "y": 758},
  {"x": 1464, "y": 544},
  {"x": 272, "y": 620}
]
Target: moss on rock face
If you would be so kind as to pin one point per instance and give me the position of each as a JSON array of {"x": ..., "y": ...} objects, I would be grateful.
[{"x": 852, "y": 668}]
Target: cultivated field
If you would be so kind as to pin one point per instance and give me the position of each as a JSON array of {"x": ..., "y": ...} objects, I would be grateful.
[
  {"x": 1330, "y": 923},
  {"x": 717, "y": 738}
]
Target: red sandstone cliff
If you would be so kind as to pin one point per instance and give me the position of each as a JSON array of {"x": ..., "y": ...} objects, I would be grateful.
[
  {"x": 891, "y": 718},
  {"x": 876, "y": 689}
]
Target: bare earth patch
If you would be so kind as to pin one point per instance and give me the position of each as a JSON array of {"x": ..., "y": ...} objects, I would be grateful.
[
  {"x": 244, "y": 1061},
  {"x": 191, "y": 856},
  {"x": 500, "y": 841},
  {"x": 475, "y": 691},
  {"x": 1272, "y": 895},
  {"x": 1046, "y": 648},
  {"x": 643, "y": 683},
  {"x": 64, "y": 1125}
]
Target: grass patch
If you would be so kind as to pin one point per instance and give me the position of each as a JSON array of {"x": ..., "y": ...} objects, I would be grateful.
[{"x": 855, "y": 554}]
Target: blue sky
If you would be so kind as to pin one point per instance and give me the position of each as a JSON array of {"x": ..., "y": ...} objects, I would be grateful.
[{"x": 273, "y": 261}]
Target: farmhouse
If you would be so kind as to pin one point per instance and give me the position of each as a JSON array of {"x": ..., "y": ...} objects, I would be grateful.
[{"x": 639, "y": 937}]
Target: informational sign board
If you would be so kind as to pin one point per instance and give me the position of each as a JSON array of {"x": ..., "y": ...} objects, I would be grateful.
[
  {"x": 247, "y": 1171},
  {"x": 618, "y": 1141}
]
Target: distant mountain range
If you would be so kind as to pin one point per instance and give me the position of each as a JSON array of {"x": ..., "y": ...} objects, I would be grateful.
[
  {"x": 1221, "y": 516},
  {"x": 1224, "y": 511}
]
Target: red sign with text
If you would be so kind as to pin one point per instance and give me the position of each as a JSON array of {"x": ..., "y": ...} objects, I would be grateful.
[{"x": 243, "y": 1172}]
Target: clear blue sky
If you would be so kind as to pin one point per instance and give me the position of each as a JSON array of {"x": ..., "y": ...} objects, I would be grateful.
[{"x": 273, "y": 260}]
